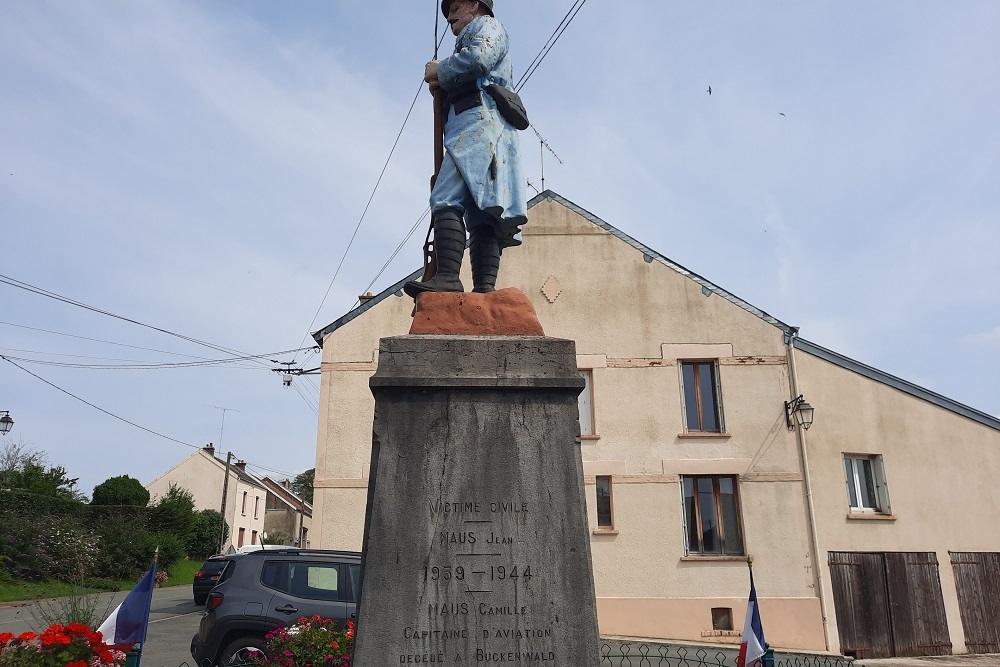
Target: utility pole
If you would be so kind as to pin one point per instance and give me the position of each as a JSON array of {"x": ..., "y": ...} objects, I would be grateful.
[{"x": 225, "y": 492}]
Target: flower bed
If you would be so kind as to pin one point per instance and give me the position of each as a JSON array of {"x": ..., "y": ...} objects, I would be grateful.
[
  {"x": 311, "y": 642},
  {"x": 73, "y": 645}
]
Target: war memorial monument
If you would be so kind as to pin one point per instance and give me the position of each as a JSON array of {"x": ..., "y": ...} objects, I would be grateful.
[{"x": 476, "y": 545}]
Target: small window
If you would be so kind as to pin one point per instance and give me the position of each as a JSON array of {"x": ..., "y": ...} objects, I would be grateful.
[
  {"x": 239, "y": 543},
  {"x": 243, "y": 509},
  {"x": 586, "y": 401},
  {"x": 722, "y": 618},
  {"x": 253, "y": 537},
  {"x": 866, "y": 487},
  {"x": 256, "y": 506},
  {"x": 712, "y": 516},
  {"x": 605, "y": 518},
  {"x": 702, "y": 398}
]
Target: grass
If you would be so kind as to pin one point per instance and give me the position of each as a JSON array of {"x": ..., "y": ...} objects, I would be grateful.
[
  {"x": 182, "y": 572},
  {"x": 17, "y": 591}
]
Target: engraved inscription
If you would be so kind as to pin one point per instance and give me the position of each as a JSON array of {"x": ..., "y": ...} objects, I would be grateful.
[{"x": 514, "y": 656}]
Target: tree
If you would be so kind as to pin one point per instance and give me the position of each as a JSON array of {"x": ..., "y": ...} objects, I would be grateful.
[
  {"x": 204, "y": 539},
  {"x": 302, "y": 485},
  {"x": 174, "y": 513},
  {"x": 121, "y": 490},
  {"x": 28, "y": 470}
]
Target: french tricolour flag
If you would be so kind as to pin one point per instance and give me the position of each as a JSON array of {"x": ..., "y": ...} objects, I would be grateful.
[
  {"x": 128, "y": 622},
  {"x": 752, "y": 644}
]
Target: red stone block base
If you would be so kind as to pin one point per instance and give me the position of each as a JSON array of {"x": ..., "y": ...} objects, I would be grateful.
[{"x": 505, "y": 312}]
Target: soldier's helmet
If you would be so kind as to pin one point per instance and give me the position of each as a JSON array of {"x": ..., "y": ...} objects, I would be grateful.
[{"x": 446, "y": 5}]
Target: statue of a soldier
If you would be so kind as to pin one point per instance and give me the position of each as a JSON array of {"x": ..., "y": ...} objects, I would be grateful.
[{"x": 480, "y": 178}]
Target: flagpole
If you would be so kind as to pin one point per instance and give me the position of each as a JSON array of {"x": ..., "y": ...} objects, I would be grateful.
[{"x": 134, "y": 656}]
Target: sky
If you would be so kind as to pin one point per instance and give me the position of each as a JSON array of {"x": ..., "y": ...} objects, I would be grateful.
[{"x": 198, "y": 170}]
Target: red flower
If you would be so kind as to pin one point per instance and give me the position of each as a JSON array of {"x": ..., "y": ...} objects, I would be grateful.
[
  {"x": 5, "y": 637},
  {"x": 77, "y": 663},
  {"x": 26, "y": 636}
]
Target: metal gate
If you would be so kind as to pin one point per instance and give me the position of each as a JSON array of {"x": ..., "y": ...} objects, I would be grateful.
[
  {"x": 977, "y": 580},
  {"x": 889, "y": 604}
]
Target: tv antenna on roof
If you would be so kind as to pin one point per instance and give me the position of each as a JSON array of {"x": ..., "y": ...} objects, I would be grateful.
[{"x": 542, "y": 147}]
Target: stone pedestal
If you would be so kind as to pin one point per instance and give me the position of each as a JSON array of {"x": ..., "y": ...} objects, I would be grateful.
[{"x": 477, "y": 547}]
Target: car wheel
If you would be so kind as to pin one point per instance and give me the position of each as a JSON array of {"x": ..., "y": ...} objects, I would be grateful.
[
  {"x": 243, "y": 650},
  {"x": 200, "y": 601}
]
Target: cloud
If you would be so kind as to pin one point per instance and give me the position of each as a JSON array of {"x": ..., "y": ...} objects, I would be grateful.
[{"x": 987, "y": 338}]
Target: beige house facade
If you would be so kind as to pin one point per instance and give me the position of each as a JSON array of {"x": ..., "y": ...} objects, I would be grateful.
[
  {"x": 692, "y": 462},
  {"x": 253, "y": 505}
]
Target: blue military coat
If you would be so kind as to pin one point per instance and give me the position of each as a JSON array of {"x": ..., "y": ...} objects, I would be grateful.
[{"x": 475, "y": 138}]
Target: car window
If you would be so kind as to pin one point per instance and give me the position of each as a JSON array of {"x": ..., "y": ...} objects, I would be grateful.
[
  {"x": 213, "y": 566},
  {"x": 315, "y": 581},
  {"x": 312, "y": 581},
  {"x": 355, "y": 573},
  {"x": 274, "y": 575}
]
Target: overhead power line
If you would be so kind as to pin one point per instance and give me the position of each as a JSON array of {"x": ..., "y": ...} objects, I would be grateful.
[
  {"x": 122, "y": 419},
  {"x": 107, "y": 342},
  {"x": 138, "y": 365},
  {"x": 363, "y": 214},
  {"x": 6, "y": 280},
  {"x": 556, "y": 34}
]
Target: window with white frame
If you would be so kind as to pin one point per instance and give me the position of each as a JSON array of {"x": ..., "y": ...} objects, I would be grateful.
[
  {"x": 712, "y": 515},
  {"x": 586, "y": 401},
  {"x": 702, "y": 397},
  {"x": 866, "y": 487}
]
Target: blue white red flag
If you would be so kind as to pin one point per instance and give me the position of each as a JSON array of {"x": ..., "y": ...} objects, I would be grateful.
[
  {"x": 128, "y": 622},
  {"x": 752, "y": 644}
]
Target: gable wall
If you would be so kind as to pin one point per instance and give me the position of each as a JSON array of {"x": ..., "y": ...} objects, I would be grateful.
[
  {"x": 632, "y": 320},
  {"x": 941, "y": 469}
]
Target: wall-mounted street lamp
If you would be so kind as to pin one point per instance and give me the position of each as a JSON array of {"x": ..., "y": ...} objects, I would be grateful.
[
  {"x": 6, "y": 423},
  {"x": 798, "y": 413}
]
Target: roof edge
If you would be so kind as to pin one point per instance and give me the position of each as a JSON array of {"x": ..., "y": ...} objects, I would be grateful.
[
  {"x": 318, "y": 336},
  {"x": 649, "y": 255},
  {"x": 900, "y": 384}
]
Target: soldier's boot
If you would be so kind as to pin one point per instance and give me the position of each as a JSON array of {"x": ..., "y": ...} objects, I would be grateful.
[
  {"x": 449, "y": 244},
  {"x": 484, "y": 251}
]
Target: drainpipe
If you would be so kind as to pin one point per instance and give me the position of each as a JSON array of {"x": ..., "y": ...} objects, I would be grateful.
[{"x": 800, "y": 436}]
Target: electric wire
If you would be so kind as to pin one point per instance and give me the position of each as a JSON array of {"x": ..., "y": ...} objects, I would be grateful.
[
  {"x": 556, "y": 34},
  {"x": 13, "y": 282},
  {"x": 98, "y": 340},
  {"x": 136, "y": 365},
  {"x": 363, "y": 214},
  {"x": 305, "y": 399},
  {"x": 395, "y": 252},
  {"x": 122, "y": 419},
  {"x": 98, "y": 408},
  {"x": 370, "y": 198}
]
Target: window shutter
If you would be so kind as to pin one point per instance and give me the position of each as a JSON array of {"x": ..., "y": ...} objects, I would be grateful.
[
  {"x": 881, "y": 488},
  {"x": 684, "y": 519},
  {"x": 718, "y": 397}
]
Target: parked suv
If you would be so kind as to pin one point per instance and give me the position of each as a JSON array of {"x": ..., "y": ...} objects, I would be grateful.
[
  {"x": 209, "y": 575},
  {"x": 268, "y": 589}
]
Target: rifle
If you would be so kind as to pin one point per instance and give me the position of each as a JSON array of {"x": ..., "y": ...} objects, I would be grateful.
[{"x": 430, "y": 253}]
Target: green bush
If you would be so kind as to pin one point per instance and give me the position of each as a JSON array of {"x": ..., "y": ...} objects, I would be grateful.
[
  {"x": 204, "y": 539},
  {"x": 172, "y": 549},
  {"x": 66, "y": 550},
  {"x": 121, "y": 490},
  {"x": 173, "y": 513},
  {"x": 123, "y": 532}
]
